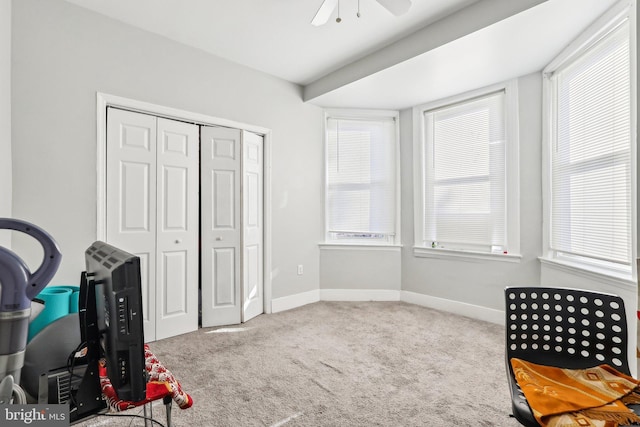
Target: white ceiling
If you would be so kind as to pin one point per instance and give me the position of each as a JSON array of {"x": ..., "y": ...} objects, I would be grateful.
[
  {"x": 276, "y": 37},
  {"x": 522, "y": 44}
]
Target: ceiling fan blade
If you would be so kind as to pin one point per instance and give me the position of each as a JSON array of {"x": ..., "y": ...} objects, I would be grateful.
[
  {"x": 397, "y": 7},
  {"x": 325, "y": 11}
]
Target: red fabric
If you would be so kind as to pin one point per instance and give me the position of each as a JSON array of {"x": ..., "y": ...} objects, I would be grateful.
[{"x": 161, "y": 383}]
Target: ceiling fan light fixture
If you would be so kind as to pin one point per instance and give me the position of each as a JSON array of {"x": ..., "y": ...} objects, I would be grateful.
[
  {"x": 395, "y": 7},
  {"x": 324, "y": 12}
]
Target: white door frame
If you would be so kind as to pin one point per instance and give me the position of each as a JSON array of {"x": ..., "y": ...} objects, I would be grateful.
[{"x": 104, "y": 100}]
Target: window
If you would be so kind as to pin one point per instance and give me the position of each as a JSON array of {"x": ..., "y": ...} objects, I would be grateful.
[
  {"x": 468, "y": 183},
  {"x": 590, "y": 152},
  {"x": 361, "y": 178}
]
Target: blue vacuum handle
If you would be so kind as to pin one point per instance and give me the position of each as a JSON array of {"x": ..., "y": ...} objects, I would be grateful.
[{"x": 50, "y": 263}]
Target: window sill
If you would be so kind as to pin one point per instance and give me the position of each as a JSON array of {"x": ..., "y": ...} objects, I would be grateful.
[
  {"x": 599, "y": 274},
  {"x": 360, "y": 246},
  {"x": 440, "y": 253}
]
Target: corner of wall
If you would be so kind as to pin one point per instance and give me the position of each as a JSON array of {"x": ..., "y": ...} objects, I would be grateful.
[{"x": 6, "y": 194}]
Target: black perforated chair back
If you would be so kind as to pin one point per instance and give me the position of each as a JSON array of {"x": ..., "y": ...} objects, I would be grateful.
[{"x": 566, "y": 328}]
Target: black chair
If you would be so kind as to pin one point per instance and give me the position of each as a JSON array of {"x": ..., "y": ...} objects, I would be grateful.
[{"x": 566, "y": 328}]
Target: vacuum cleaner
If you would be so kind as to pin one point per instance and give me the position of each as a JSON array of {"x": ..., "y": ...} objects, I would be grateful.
[{"x": 18, "y": 286}]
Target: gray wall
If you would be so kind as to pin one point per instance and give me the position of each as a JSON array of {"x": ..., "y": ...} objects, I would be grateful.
[
  {"x": 5, "y": 116},
  {"x": 63, "y": 55},
  {"x": 360, "y": 268},
  {"x": 476, "y": 282},
  {"x": 480, "y": 282}
]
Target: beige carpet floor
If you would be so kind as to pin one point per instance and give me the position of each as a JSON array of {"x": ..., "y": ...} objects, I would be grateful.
[{"x": 340, "y": 364}]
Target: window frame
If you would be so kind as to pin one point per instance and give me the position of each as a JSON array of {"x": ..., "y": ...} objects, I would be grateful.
[
  {"x": 369, "y": 115},
  {"x": 592, "y": 35},
  {"x": 512, "y": 176}
]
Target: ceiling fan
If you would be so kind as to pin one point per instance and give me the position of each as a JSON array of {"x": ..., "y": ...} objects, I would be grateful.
[{"x": 396, "y": 7}]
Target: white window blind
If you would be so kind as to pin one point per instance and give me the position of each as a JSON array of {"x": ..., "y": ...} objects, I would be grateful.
[
  {"x": 591, "y": 153},
  {"x": 361, "y": 183},
  {"x": 464, "y": 200}
]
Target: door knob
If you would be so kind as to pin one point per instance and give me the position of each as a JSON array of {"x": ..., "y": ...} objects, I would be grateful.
[
  {"x": 218, "y": 238},
  {"x": 178, "y": 240}
]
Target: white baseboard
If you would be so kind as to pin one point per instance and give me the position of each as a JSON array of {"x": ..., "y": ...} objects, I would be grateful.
[
  {"x": 456, "y": 307},
  {"x": 293, "y": 301},
  {"x": 359, "y": 295},
  {"x": 451, "y": 306}
]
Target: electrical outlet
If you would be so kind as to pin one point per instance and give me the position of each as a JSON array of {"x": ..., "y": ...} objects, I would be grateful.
[{"x": 300, "y": 270}]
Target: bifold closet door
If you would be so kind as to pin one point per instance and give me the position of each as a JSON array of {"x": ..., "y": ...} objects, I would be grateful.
[
  {"x": 220, "y": 226},
  {"x": 177, "y": 178},
  {"x": 231, "y": 167},
  {"x": 252, "y": 226},
  {"x": 131, "y": 198},
  {"x": 152, "y": 212}
]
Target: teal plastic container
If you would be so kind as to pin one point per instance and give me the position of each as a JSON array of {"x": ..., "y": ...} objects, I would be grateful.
[{"x": 59, "y": 301}]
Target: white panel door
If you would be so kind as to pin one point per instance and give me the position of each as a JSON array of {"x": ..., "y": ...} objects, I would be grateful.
[
  {"x": 220, "y": 226},
  {"x": 152, "y": 212},
  {"x": 131, "y": 198},
  {"x": 252, "y": 229},
  {"x": 177, "y": 176}
]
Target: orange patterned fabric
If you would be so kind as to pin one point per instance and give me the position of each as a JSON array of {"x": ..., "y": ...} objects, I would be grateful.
[{"x": 593, "y": 397}]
